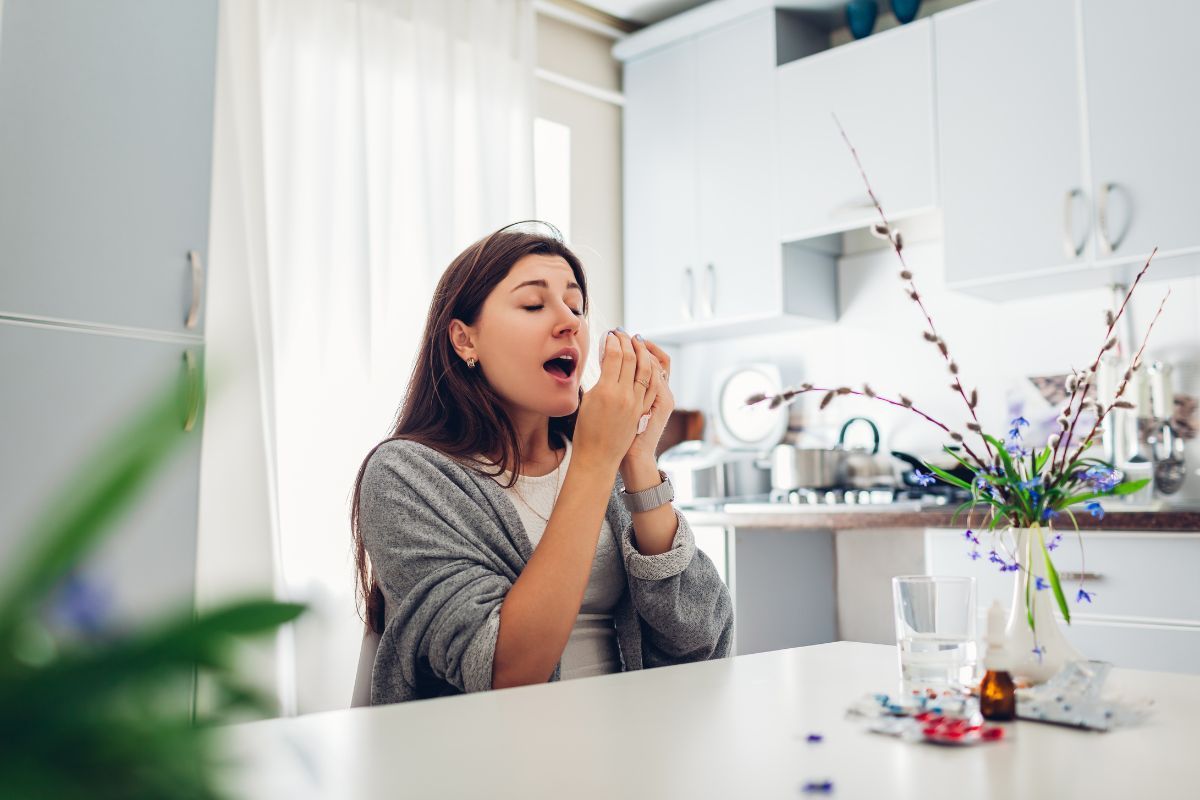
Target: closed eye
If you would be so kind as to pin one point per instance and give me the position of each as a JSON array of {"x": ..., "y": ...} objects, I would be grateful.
[{"x": 574, "y": 311}]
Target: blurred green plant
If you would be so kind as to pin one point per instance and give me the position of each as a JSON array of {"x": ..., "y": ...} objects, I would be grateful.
[{"x": 106, "y": 715}]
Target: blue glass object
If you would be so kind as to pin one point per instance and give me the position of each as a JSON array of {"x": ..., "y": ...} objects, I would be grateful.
[
  {"x": 905, "y": 10},
  {"x": 860, "y": 17}
]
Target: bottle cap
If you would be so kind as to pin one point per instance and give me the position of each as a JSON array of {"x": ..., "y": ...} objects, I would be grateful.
[{"x": 997, "y": 658}]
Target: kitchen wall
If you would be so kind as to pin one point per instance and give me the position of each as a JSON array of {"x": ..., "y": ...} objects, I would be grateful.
[{"x": 877, "y": 339}]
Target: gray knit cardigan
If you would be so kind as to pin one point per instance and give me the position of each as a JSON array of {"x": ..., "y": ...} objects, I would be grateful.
[{"x": 447, "y": 544}]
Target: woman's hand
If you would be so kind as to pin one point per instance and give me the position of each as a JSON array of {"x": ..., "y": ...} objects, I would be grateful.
[
  {"x": 659, "y": 403},
  {"x": 609, "y": 412}
]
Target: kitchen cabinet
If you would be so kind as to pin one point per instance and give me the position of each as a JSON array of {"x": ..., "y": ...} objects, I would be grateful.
[
  {"x": 106, "y": 126},
  {"x": 1143, "y": 182},
  {"x": 702, "y": 254},
  {"x": 1058, "y": 155},
  {"x": 106, "y": 119},
  {"x": 891, "y": 125},
  {"x": 783, "y": 589},
  {"x": 1146, "y": 614},
  {"x": 65, "y": 394},
  {"x": 1014, "y": 183}
]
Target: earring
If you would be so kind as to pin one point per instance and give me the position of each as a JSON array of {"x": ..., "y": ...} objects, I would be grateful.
[{"x": 471, "y": 362}]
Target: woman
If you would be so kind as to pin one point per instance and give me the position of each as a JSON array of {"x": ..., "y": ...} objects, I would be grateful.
[{"x": 503, "y": 551}]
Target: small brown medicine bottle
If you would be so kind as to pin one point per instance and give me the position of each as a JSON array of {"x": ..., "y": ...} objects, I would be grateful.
[{"x": 997, "y": 693}]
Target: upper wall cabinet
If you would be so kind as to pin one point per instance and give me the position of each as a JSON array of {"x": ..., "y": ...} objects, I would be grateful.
[
  {"x": 1063, "y": 168},
  {"x": 889, "y": 120},
  {"x": 1144, "y": 111},
  {"x": 106, "y": 121},
  {"x": 702, "y": 254},
  {"x": 1014, "y": 193}
]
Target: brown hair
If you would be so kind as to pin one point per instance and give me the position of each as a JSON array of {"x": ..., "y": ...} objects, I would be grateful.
[{"x": 448, "y": 406}]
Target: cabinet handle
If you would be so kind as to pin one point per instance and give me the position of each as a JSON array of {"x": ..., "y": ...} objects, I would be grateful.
[
  {"x": 689, "y": 300},
  {"x": 197, "y": 290},
  {"x": 1107, "y": 245},
  {"x": 193, "y": 390},
  {"x": 1080, "y": 576},
  {"x": 1069, "y": 247},
  {"x": 710, "y": 302}
]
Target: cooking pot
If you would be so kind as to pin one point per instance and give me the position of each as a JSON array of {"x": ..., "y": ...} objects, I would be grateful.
[
  {"x": 703, "y": 471},
  {"x": 805, "y": 467}
]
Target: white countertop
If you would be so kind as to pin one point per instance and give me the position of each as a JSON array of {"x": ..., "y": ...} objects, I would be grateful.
[{"x": 733, "y": 728}]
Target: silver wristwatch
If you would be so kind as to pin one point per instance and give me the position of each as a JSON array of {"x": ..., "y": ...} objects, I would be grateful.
[{"x": 650, "y": 499}]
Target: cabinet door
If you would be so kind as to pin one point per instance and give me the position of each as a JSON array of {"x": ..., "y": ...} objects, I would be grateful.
[
  {"x": 660, "y": 189},
  {"x": 1013, "y": 190},
  {"x": 890, "y": 124},
  {"x": 65, "y": 392},
  {"x": 1141, "y": 61},
  {"x": 735, "y": 134},
  {"x": 106, "y": 118}
]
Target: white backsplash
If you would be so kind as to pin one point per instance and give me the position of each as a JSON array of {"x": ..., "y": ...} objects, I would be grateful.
[{"x": 878, "y": 340}]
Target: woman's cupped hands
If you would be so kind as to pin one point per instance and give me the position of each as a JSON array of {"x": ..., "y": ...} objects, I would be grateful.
[{"x": 622, "y": 417}]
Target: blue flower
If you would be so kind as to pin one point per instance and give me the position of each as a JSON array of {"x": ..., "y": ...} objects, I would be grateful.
[
  {"x": 1039, "y": 583},
  {"x": 973, "y": 555},
  {"x": 1055, "y": 542},
  {"x": 1020, "y": 422},
  {"x": 1013, "y": 567},
  {"x": 923, "y": 478},
  {"x": 1015, "y": 449},
  {"x": 1034, "y": 497},
  {"x": 1102, "y": 479},
  {"x": 1049, "y": 513},
  {"x": 1084, "y": 596},
  {"x": 994, "y": 558},
  {"x": 970, "y": 536},
  {"x": 81, "y": 604},
  {"x": 1096, "y": 509}
]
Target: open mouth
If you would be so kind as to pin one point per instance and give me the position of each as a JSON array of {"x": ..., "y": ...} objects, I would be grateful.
[{"x": 561, "y": 367}]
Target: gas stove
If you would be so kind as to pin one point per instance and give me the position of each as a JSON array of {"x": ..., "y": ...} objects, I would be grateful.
[{"x": 843, "y": 499}]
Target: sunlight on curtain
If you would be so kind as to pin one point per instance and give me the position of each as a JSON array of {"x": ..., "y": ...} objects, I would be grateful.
[{"x": 393, "y": 133}]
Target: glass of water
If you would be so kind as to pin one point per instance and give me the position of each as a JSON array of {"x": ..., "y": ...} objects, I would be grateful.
[{"x": 935, "y": 630}]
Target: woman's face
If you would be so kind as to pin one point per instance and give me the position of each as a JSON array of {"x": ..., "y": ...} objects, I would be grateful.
[{"x": 531, "y": 338}]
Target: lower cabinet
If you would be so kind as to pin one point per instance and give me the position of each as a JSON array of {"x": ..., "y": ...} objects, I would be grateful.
[
  {"x": 65, "y": 393},
  {"x": 1146, "y": 610}
]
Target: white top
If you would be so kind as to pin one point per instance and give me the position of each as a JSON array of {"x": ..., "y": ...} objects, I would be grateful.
[
  {"x": 592, "y": 648},
  {"x": 733, "y": 727}
]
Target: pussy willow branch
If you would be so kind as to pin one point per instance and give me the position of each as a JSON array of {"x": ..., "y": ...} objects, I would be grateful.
[
  {"x": 911, "y": 284},
  {"x": 790, "y": 394},
  {"x": 1137, "y": 362},
  {"x": 1065, "y": 439}
]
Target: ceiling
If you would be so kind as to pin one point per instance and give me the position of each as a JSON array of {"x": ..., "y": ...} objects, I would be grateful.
[{"x": 647, "y": 12}]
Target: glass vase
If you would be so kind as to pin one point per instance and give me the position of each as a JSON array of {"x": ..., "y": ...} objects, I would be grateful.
[{"x": 1037, "y": 653}]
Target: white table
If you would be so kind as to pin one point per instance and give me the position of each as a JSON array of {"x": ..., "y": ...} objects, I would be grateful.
[{"x": 734, "y": 728}]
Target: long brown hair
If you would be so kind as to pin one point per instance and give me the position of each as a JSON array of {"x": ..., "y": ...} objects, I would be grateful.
[{"x": 448, "y": 406}]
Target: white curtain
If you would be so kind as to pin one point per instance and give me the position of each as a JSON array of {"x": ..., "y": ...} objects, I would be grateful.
[{"x": 368, "y": 141}]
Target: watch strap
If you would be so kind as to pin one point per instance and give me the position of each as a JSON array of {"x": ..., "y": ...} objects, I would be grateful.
[{"x": 649, "y": 499}]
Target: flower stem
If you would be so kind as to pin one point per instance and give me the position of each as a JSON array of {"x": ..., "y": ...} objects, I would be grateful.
[{"x": 912, "y": 284}]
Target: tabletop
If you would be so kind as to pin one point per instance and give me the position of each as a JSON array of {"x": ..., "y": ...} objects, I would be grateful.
[{"x": 732, "y": 728}]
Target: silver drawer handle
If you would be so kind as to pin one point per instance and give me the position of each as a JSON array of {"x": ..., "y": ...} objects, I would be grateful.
[
  {"x": 689, "y": 292},
  {"x": 1080, "y": 576},
  {"x": 1069, "y": 247},
  {"x": 710, "y": 301},
  {"x": 193, "y": 314},
  {"x": 1107, "y": 245},
  {"x": 193, "y": 390}
]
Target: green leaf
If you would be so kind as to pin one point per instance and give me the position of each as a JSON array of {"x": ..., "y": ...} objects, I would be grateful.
[
  {"x": 1041, "y": 460},
  {"x": 960, "y": 509},
  {"x": 948, "y": 478},
  {"x": 1129, "y": 487},
  {"x": 1011, "y": 473},
  {"x": 1055, "y": 585}
]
